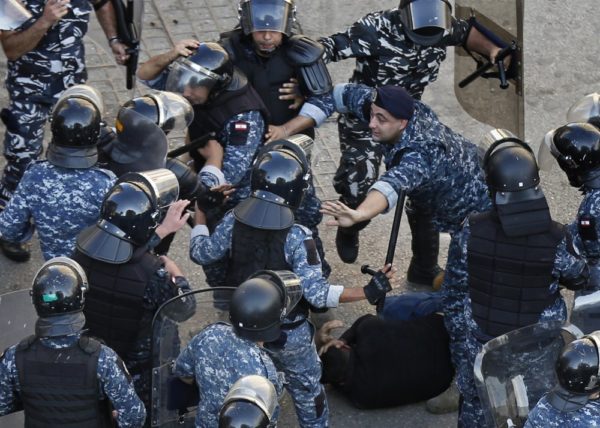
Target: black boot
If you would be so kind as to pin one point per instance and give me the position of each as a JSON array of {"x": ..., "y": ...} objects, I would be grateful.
[
  {"x": 346, "y": 243},
  {"x": 16, "y": 251},
  {"x": 425, "y": 248}
]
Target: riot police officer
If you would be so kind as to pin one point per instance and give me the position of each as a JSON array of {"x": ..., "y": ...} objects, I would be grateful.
[
  {"x": 506, "y": 264},
  {"x": 72, "y": 380},
  {"x": 63, "y": 194},
  {"x": 251, "y": 402},
  {"x": 267, "y": 48},
  {"x": 128, "y": 283},
  {"x": 574, "y": 401},
  {"x": 259, "y": 233},
  {"x": 221, "y": 354},
  {"x": 45, "y": 57},
  {"x": 404, "y": 47}
]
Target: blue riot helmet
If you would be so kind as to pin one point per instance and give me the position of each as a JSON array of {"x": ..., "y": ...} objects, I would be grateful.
[
  {"x": 250, "y": 402},
  {"x": 578, "y": 373},
  {"x": 75, "y": 124},
  {"x": 425, "y": 22},
  {"x": 59, "y": 287},
  {"x": 130, "y": 213},
  {"x": 280, "y": 177},
  {"x": 267, "y": 15}
]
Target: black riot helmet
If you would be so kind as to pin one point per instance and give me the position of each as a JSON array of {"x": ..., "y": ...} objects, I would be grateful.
[
  {"x": 250, "y": 402},
  {"x": 165, "y": 109},
  {"x": 425, "y": 22},
  {"x": 578, "y": 373},
  {"x": 510, "y": 168},
  {"x": 267, "y": 15},
  {"x": 59, "y": 287},
  {"x": 256, "y": 310},
  {"x": 280, "y": 177},
  {"x": 586, "y": 109},
  {"x": 130, "y": 213},
  {"x": 576, "y": 148},
  {"x": 209, "y": 67},
  {"x": 75, "y": 125}
]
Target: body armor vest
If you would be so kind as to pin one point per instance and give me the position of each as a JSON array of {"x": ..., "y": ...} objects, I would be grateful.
[
  {"x": 59, "y": 387},
  {"x": 267, "y": 75},
  {"x": 255, "y": 249},
  {"x": 114, "y": 304},
  {"x": 509, "y": 277}
]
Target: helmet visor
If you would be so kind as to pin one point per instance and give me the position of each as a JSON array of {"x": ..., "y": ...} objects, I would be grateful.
[
  {"x": 428, "y": 17},
  {"x": 586, "y": 109},
  {"x": 185, "y": 74},
  {"x": 162, "y": 182},
  {"x": 548, "y": 154},
  {"x": 87, "y": 93},
  {"x": 12, "y": 15},
  {"x": 268, "y": 15},
  {"x": 174, "y": 111}
]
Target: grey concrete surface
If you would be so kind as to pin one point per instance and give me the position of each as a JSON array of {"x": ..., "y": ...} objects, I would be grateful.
[{"x": 561, "y": 52}]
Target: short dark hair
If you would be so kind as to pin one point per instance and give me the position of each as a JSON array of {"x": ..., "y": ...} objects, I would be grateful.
[{"x": 335, "y": 364}]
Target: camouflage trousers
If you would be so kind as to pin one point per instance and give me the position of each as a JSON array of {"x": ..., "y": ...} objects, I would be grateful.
[
  {"x": 470, "y": 413},
  {"x": 25, "y": 118},
  {"x": 359, "y": 163},
  {"x": 297, "y": 358}
]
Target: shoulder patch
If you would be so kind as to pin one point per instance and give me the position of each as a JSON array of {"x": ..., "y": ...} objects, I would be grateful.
[
  {"x": 238, "y": 132},
  {"x": 312, "y": 255}
]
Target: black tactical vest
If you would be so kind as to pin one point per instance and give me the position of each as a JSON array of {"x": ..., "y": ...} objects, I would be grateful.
[
  {"x": 59, "y": 387},
  {"x": 509, "y": 277},
  {"x": 266, "y": 75},
  {"x": 212, "y": 116},
  {"x": 114, "y": 304}
]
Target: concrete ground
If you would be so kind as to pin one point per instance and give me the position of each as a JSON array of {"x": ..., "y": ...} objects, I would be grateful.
[{"x": 560, "y": 63}]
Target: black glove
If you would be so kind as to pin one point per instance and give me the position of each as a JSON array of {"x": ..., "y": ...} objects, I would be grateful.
[
  {"x": 207, "y": 199},
  {"x": 377, "y": 287}
]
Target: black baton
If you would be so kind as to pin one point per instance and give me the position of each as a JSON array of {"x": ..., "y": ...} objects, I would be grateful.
[{"x": 196, "y": 144}]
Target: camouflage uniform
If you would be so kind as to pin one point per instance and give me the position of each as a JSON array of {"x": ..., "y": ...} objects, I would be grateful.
[
  {"x": 112, "y": 381},
  {"x": 463, "y": 328},
  {"x": 216, "y": 358},
  {"x": 544, "y": 415},
  {"x": 61, "y": 202},
  {"x": 589, "y": 247},
  {"x": 36, "y": 80},
  {"x": 139, "y": 359},
  {"x": 384, "y": 56},
  {"x": 296, "y": 356},
  {"x": 438, "y": 168}
]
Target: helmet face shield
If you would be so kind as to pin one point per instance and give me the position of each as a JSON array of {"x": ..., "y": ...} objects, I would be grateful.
[
  {"x": 12, "y": 15},
  {"x": 267, "y": 15},
  {"x": 185, "y": 75},
  {"x": 426, "y": 21},
  {"x": 587, "y": 109},
  {"x": 167, "y": 110},
  {"x": 87, "y": 93}
]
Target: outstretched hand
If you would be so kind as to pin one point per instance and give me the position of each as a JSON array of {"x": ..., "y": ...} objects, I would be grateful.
[{"x": 343, "y": 215}]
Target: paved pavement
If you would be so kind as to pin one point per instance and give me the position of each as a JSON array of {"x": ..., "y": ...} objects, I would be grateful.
[{"x": 560, "y": 66}]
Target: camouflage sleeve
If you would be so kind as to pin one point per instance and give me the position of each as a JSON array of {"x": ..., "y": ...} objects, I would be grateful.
[
  {"x": 571, "y": 269},
  {"x": 455, "y": 290},
  {"x": 302, "y": 256},
  {"x": 411, "y": 172},
  {"x": 353, "y": 98},
  {"x": 184, "y": 365},
  {"x": 243, "y": 134},
  {"x": 458, "y": 35},
  {"x": 15, "y": 224},
  {"x": 359, "y": 40},
  {"x": 9, "y": 398},
  {"x": 117, "y": 386},
  {"x": 206, "y": 248},
  {"x": 318, "y": 108}
]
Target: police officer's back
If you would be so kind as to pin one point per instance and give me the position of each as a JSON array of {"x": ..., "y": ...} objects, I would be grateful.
[
  {"x": 221, "y": 354},
  {"x": 59, "y": 377}
]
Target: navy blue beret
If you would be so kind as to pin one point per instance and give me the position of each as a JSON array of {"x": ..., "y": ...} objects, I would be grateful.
[{"x": 396, "y": 101}]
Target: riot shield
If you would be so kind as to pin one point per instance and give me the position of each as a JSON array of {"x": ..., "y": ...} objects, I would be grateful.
[
  {"x": 483, "y": 98},
  {"x": 175, "y": 324},
  {"x": 586, "y": 310},
  {"x": 17, "y": 318},
  {"x": 513, "y": 371}
]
